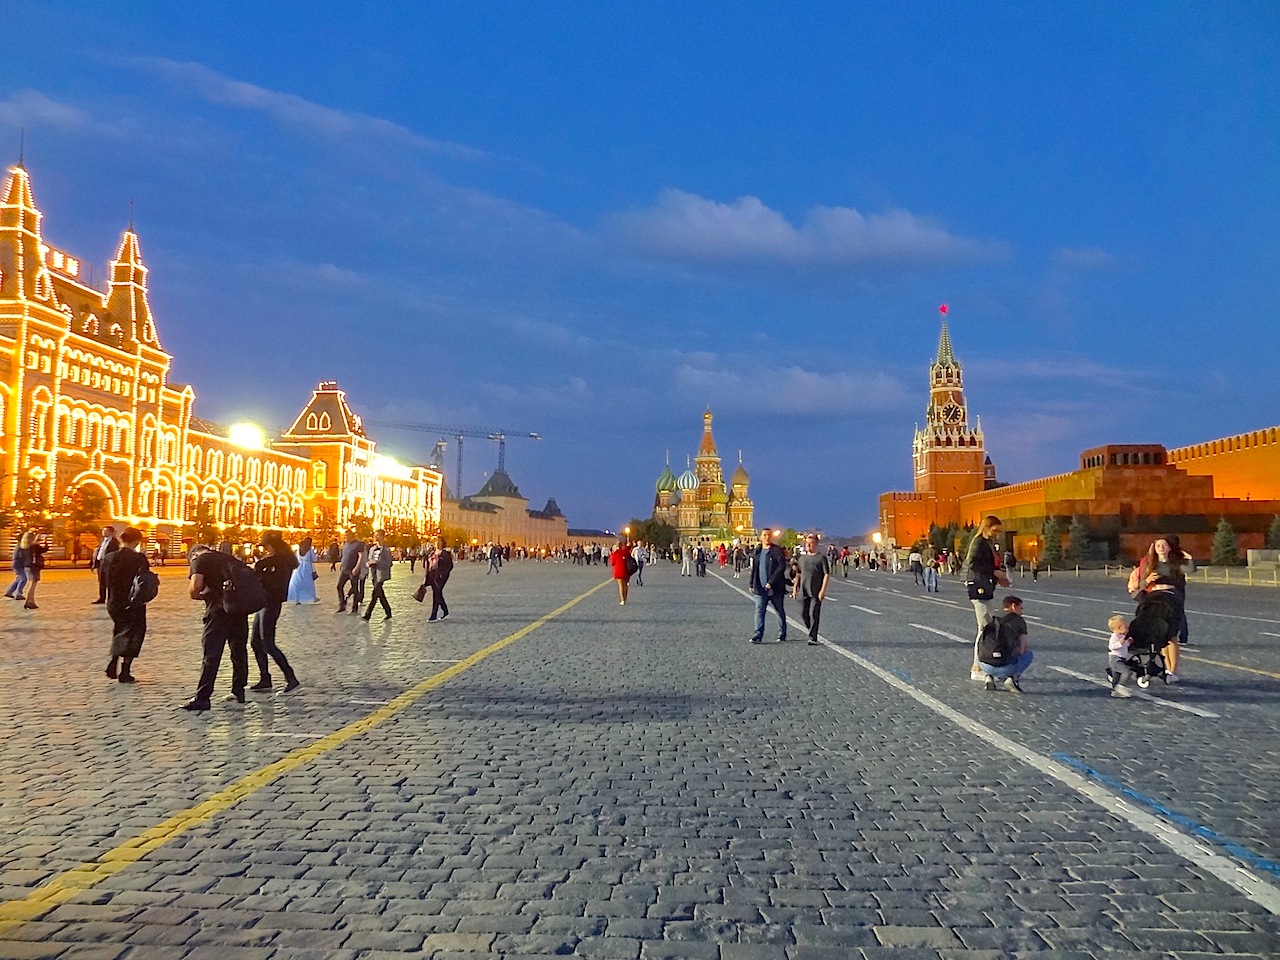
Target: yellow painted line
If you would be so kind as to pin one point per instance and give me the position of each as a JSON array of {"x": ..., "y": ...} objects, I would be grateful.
[{"x": 62, "y": 887}]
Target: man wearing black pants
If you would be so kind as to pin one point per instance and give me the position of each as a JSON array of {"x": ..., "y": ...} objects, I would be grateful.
[
  {"x": 380, "y": 561},
  {"x": 209, "y": 571},
  {"x": 811, "y": 585},
  {"x": 352, "y": 549},
  {"x": 437, "y": 576},
  {"x": 275, "y": 570}
]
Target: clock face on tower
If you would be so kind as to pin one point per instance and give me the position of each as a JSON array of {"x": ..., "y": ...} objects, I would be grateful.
[{"x": 952, "y": 413}]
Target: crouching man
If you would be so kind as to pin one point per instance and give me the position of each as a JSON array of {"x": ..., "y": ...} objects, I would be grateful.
[{"x": 1004, "y": 650}]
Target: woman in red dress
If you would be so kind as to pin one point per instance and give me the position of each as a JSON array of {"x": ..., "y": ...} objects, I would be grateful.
[{"x": 621, "y": 562}]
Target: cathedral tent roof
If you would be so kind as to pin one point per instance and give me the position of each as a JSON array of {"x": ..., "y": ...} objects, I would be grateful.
[{"x": 707, "y": 448}]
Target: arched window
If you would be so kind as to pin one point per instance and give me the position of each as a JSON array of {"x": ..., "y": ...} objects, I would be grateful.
[
  {"x": 313, "y": 422},
  {"x": 325, "y": 422}
]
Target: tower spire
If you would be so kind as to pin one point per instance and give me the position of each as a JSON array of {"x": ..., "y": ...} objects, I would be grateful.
[{"x": 945, "y": 356}]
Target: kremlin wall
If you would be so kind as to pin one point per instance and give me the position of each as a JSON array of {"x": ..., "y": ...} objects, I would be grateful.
[{"x": 1128, "y": 494}]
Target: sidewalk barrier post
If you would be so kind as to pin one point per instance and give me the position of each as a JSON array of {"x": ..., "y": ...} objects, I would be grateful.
[{"x": 1077, "y": 569}]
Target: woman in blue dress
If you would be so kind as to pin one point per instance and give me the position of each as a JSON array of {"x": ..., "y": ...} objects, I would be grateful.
[{"x": 302, "y": 582}]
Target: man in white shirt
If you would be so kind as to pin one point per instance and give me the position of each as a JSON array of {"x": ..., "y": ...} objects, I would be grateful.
[{"x": 108, "y": 544}]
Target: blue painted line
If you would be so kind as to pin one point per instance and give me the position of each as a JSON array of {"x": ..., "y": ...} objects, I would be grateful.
[{"x": 1243, "y": 854}]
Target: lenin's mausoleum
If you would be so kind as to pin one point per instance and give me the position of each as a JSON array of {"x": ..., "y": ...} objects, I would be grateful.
[{"x": 1127, "y": 494}]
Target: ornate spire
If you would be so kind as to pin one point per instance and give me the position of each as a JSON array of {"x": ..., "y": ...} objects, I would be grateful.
[
  {"x": 127, "y": 302},
  {"x": 945, "y": 356},
  {"x": 25, "y": 275}
]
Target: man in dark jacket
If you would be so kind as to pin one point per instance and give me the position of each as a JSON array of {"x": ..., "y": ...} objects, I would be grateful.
[
  {"x": 769, "y": 584},
  {"x": 275, "y": 569}
]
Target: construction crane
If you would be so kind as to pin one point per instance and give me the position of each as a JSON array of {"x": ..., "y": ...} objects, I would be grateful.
[{"x": 458, "y": 433}]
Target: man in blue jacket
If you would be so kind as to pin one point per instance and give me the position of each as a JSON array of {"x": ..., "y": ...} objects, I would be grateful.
[{"x": 769, "y": 584}]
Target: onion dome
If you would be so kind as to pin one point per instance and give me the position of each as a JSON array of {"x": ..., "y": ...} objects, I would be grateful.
[
  {"x": 740, "y": 476},
  {"x": 688, "y": 480},
  {"x": 667, "y": 482}
]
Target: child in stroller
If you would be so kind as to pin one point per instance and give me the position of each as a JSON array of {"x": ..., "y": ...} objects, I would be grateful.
[{"x": 1154, "y": 624}]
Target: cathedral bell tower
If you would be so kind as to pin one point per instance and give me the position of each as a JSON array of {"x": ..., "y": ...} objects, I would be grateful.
[{"x": 948, "y": 454}]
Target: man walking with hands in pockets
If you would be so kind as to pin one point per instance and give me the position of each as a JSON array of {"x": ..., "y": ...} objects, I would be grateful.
[{"x": 769, "y": 584}]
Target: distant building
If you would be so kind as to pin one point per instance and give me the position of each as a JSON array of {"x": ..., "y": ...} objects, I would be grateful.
[
  {"x": 698, "y": 504},
  {"x": 1126, "y": 494},
  {"x": 498, "y": 512},
  {"x": 87, "y": 413}
]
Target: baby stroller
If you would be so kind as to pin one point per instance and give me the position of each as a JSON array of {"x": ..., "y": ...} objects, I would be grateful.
[{"x": 1154, "y": 624}]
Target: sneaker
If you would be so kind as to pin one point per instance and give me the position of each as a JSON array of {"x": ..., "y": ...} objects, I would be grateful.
[
  {"x": 261, "y": 685},
  {"x": 195, "y": 705},
  {"x": 1121, "y": 692},
  {"x": 990, "y": 683},
  {"x": 1012, "y": 685},
  {"x": 813, "y": 643},
  {"x": 234, "y": 697},
  {"x": 445, "y": 615},
  {"x": 292, "y": 684},
  {"x": 977, "y": 676},
  {"x": 1144, "y": 682},
  {"x": 756, "y": 640},
  {"x": 1171, "y": 678}
]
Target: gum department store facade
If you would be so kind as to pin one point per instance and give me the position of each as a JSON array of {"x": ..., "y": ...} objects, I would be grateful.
[{"x": 86, "y": 404}]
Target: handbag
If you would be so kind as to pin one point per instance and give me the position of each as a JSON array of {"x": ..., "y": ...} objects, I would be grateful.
[
  {"x": 984, "y": 589},
  {"x": 420, "y": 593}
]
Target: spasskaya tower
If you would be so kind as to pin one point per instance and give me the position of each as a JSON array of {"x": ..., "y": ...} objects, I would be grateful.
[{"x": 948, "y": 454}]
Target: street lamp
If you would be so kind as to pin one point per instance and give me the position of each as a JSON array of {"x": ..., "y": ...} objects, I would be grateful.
[{"x": 875, "y": 538}]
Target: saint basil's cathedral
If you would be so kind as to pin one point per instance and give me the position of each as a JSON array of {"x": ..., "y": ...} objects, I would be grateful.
[{"x": 698, "y": 503}]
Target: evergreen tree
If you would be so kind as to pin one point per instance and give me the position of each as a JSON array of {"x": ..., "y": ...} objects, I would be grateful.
[
  {"x": 1051, "y": 534},
  {"x": 1077, "y": 540},
  {"x": 1226, "y": 552},
  {"x": 1273, "y": 534}
]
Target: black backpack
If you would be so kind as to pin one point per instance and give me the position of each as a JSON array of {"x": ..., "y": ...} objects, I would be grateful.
[
  {"x": 242, "y": 591},
  {"x": 145, "y": 586},
  {"x": 998, "y": 644}
]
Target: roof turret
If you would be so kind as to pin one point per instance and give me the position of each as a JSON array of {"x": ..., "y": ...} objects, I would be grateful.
[{"x": 945, "y": 356}]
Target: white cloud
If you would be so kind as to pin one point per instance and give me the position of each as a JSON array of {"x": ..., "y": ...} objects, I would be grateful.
[
  {"x": 704, "y": 378},
  {"x": 687, "y": 228},
  {"x": 1084, "y": 258},
  {"x": 33, "y": 109},
  {"x": 295, "y": 111}
]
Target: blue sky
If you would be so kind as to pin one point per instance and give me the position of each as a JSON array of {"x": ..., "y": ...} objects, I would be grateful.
[{"x": 592, "y": 223}]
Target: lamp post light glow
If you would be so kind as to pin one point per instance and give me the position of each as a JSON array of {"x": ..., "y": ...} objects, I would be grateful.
[
  {"x": 876, "y": 538},
  {"x": 250, "y": 436}
]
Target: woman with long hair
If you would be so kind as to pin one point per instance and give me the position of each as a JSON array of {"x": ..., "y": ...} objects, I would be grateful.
[
  {"x": 1165, "y": 567},
  {"x": 983, "y": 571}
]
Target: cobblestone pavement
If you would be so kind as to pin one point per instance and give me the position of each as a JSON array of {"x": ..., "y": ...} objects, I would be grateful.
[{"x": 636, "y": 782}]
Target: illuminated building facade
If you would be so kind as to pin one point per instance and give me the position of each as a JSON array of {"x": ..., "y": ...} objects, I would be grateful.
[
  {"x": 698, "y": 503},
  {"x": 949, "y": 457},
  {"x": 86, "y": 408},
  {"x": 498, "y": 512},
  {"x": 1126, "y": 494}
]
